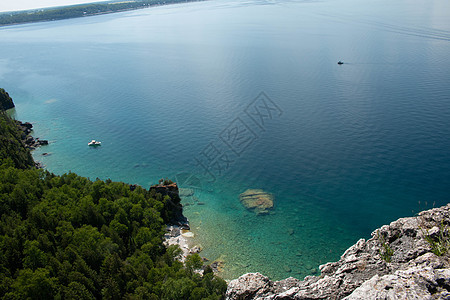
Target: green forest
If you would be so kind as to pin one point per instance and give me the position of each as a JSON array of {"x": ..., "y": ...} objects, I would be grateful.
[{"x": 67, "y": 237}]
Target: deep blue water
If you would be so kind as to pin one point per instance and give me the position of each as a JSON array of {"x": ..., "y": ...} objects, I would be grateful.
[{"x": 344, "y": 149}]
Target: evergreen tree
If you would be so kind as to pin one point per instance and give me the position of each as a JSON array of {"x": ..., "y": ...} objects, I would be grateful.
[{"x": 67, "y": 237}]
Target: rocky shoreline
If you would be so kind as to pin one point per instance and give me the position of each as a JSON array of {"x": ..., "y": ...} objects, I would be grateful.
[
  {"x": 178, "y": 231},
  {"x": 407, "y": 259},
  {"x": 174, "y": 236},
  {"x": 29, "y": 141},
  {"x": 25, "y": 128}
]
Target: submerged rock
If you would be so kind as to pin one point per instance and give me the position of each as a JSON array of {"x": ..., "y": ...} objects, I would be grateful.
[
  {"x": 257, "y": 200},
  {"x": 188, "y": 234},
  {"x": 218, "y": 265},
  {"x": 196, "y": 249},
  {"x": 367, "y": 270},
  {"x": 41, "y": 142},
  {"x": 186, "y": 192},
  {"x": 287, "y": 269}
]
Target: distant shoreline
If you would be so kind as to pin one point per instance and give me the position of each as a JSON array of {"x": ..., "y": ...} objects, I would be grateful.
[{"x": 79, "y": 11}]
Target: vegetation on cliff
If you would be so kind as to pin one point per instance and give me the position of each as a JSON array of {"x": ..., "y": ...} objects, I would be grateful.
[
  {"x": 67, "y": 237},
  {"x": 11, "y": 147},
  {"x": 5, "y": 100}
]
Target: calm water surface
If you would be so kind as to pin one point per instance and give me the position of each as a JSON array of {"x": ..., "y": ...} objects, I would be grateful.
[{"x": 344, "y": 149}]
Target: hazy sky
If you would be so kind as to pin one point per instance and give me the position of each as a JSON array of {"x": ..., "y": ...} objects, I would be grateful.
[{"x": 10, "y": 5}]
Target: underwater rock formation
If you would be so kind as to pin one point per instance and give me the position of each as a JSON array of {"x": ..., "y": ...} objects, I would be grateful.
[{"x": 257, "y": 200}]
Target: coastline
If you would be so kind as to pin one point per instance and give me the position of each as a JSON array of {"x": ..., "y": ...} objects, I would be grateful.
[
  {"x": 175, "y": 235},
  {"x": 77, "y": 17},
  {"x": 116, "y": 248},
  {"x": 407, "y": 259},
  {"x": 140, "y": 161},
  {"x": 77, "y": 11},
  {"x": 179, "y": 234},
  {"x": 411, "y": 267},
  {"x": 366, "y": 268}
]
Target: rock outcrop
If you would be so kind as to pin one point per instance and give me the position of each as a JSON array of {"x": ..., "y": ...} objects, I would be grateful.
[
  {"x": 407, "y": 259},
  {"x": 29, "y": 141},
  {"x": 257, "y": 200},
  {"x": 5, "y": 100},
  {"x": 186, "y": 192},
  {"x": 169, "y": 188},
  {"x": 174, "y": 236}
]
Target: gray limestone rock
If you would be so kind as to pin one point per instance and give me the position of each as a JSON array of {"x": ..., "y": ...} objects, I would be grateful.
[{"x": 396, "y": 263}]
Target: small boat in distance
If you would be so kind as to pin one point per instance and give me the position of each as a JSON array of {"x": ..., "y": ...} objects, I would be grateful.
[
  {"x": 94, "y": 143},
  {"x": 340, "y": 62}
]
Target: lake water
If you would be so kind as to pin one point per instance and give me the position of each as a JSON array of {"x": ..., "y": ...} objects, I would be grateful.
[{"x": 251, "y": 92}]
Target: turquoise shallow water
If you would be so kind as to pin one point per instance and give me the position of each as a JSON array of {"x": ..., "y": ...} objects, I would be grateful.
[{"x": 344, "y": 149}]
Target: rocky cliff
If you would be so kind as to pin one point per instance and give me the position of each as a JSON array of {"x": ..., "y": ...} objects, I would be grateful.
[
  {"x": 169, "y": 188},
  {"x": 407, "y": 259},
  {"x": 5, "y": 100}
]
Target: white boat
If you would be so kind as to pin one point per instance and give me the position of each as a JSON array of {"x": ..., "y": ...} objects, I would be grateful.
[{"x": 94, "y": 143}]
